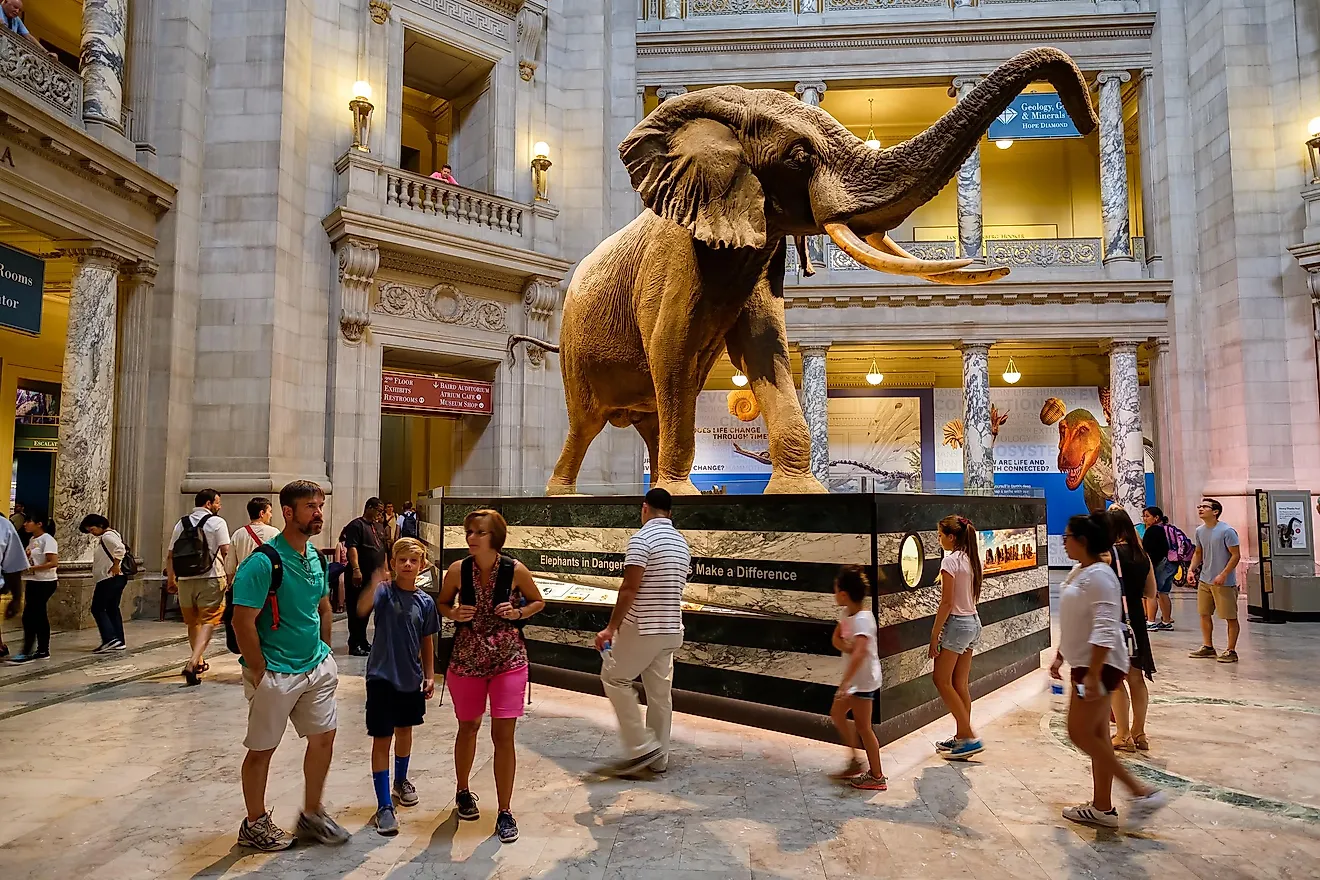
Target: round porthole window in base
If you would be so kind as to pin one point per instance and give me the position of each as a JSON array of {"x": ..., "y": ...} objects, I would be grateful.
[{"x": 912, "y": 560}]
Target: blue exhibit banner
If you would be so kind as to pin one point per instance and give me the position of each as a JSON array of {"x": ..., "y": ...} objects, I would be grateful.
[
  {"x": 22, "y": 280},
  {"x": 1033, "y": 116}
]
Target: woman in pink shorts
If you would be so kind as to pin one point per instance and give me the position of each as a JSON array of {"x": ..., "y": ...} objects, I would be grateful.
[{"x": 495, "y": 594}]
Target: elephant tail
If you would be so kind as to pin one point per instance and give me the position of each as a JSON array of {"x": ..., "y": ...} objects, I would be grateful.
[{"x": 530, "y": 340}]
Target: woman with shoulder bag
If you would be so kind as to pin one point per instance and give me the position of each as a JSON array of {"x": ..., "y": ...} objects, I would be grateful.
[
  {"x": 110, "y": 579},
  {"x": 1137, "y": 576}
]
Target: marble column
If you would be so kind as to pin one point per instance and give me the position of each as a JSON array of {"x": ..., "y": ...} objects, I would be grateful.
[
  {"x": 141, "y": 67},
  {"x": 810, "y": 92},
  {"x": 809, "y": 5},
  {"x": 671, "y": 8},
  {"x": 1146, "y": 117},
  {"x": 815, "y": 407},
  {"x": 87, "y": 395},
  {"x": 664, "y": 93},
  {"x": 978, "y": 443},
  {"x": 1113, "y": 168},
  {"x": 132, "y": 364},
  {"x": 1125, "y": 427},
  {"x": 104, "y": 36},
  {"x": 970, "y": 232}
]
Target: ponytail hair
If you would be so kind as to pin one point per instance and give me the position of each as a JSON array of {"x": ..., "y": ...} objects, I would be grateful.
[
  {"x": 40, "y": 516},
  {"x": 962, "y": 531},
  {"x": 1157, "y": 513}
]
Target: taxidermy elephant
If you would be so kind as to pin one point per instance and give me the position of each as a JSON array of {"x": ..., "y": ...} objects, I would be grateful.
[{"x": 727, "y": 174}]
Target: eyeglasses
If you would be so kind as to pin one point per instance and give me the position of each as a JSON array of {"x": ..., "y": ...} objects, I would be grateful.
[
  {"x": 1205, "y": 507},
  {"x": 1067, "y": 535}
]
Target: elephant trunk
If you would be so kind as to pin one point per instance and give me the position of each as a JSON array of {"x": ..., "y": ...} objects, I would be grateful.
[{"x": 922, "y": 166}]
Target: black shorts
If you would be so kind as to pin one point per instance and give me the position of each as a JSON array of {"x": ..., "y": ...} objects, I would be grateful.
[
  {"x": 388, "y": 708},
  {"x": 1110, "y": 676}
]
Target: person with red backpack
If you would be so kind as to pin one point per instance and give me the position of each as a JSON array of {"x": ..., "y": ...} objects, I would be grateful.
[{"x": 1170, "y": 550}]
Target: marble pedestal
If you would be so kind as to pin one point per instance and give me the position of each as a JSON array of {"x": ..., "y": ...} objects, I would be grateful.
[
  {"x": 71, "y": 606},
  {"x": 759, "y": 608}
]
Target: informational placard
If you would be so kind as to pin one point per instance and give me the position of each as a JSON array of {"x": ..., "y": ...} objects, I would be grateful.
[
  {"x": 1033, "y": 116},
  {"x": 22, "y": 280},
  {"x": 1290, "y": 524},
  {"x": 426, "y": 395}
]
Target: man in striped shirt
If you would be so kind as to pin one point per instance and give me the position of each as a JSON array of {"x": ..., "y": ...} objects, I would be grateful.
[{"x": 644, "y": 631}]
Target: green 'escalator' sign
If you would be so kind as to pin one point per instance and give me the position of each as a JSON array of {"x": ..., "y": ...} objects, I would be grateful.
[{"x": 21, "y": 281}]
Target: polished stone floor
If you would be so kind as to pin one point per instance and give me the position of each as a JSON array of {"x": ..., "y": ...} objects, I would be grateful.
[{"x": 110, "y": 768}]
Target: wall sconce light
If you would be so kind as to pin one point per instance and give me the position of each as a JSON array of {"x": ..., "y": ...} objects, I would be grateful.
[
  {"x": 1313, "y": 148},
  {"x": 540, "y": 166},
  {"x": 871, "y": 140},
  {"x": 1004, "y": 143},
  {"x": 875, "y": 377},
  {"x": 1011, "y": 374},
  {"x": 738, "y": 378},
  {"x": 361, "y": 108}
]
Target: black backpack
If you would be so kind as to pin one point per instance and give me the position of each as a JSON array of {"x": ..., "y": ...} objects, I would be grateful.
[
  {"x": 276, "y": 579},
  {"x": 408, "y": 529},
  {"x": 128, "y": 565},
  {"x": 193, "y": 556},
  {"x": 467, "y": 595}
]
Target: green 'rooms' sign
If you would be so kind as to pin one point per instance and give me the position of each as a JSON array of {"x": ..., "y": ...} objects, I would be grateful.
[{"x": 21, "y": 282}]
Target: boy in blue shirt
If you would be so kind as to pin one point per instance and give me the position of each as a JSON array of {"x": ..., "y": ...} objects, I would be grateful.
[{"x": 400, "y": 675}]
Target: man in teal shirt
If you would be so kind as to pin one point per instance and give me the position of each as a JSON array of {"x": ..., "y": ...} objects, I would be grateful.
[{"x": 289, "y": 673}]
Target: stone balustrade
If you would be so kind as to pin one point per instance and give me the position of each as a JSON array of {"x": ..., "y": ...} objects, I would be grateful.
[
  {"x": 427, "y": 195},
  {"x": 26, "y": 69},
  {"x": 695, "y": 9},
  {"x": 1043, "y": 252}
]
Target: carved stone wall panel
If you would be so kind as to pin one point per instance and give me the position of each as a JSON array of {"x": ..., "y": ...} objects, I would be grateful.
[
  {"x": 442, "y": 304},
  {"x": 461, "y": 12}
]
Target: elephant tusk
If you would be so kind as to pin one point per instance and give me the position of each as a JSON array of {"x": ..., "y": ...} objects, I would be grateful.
[
  {"x": 869, "y": 256},
  {"x": 955, "y": 277},
  {"x": 804, "y": 260}
]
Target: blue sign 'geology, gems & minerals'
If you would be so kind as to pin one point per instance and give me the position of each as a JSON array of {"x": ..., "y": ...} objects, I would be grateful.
[
  {"x": 1033, "y": 116},
  {"x": 22, "y": 278}
]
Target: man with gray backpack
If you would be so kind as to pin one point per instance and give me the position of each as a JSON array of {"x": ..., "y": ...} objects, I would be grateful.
[{"x": 195, "y": 569}]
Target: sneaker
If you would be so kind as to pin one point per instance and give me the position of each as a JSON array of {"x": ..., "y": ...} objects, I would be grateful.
[
  {"x": 1153, "y": 625},
  {"x": 964, "y": 749},
  {"x": 264, "y": 835},
  {"x": 45, "y": 655},
  {"x": 359, "y": 652},
  {"x": 660, "y": 765},
  {"x": 505, "y": 827},
  {"x": 117, "y": 645},
  {"x": 867, "y": 782},
  {"x": 1164, "y": 626},
  {"x": 945, "y": 745},
  {"x": 852, "y": 770},
  {"x": 405, "y": 793},
  {"x": 1141, "y": 809},
  {"x": 1089, "y": 815},
  {"x": 1204, "y": 651},
  {"x": 103, "y": 648},
  {"x": 386, "y": 823},
  {"x": 631, "y": 765},
  {"x": 467, "y": 805},
  {"x": 321, "y": 828},
  {"x": 1228, "y": 657},
  {"x": 21, "y": 658}
]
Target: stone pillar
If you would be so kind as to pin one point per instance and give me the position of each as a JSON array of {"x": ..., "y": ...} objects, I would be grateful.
[
  {"x": 82, "y": 468},
  {"x": 664, "y": 93},
  {"x": 1113, "y": 169},
  {"x": 809, "y": 6},
  {"x": 140, "y": 69},
  {"x": 528, "y": 434},
  {"x": 104, "y": 34},
  {"x": 1162, "y": 418},
  {"x": 671, "y": 9},
  {"x": 970, "y": 231},
  {"x": 810, "y": 92},
  {"x": 1146, "y": 119},
  {"x": 132, "y": 363},
  {"x": 1125, "y": 428},
  {"x": 815, "y": 407},
  {"x": 978, "y": 442}
]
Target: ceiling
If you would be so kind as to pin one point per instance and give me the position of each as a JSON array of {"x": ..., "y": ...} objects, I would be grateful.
[
  {"x": 56, "y": 21},
  {"x": 439, "y": 69}
]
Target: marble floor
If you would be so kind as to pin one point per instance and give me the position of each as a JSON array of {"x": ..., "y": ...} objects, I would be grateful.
[{"x": 111, "y": 768}]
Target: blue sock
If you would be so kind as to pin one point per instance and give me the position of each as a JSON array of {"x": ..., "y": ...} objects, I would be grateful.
[
  {"x": 400, "y": 768},
  {"x": 381, "y": 780}
]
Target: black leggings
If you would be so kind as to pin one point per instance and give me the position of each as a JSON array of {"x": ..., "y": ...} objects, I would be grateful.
[
  {"x": 105, "y": 608},
  {"x": 36, "y": 623},
  {"x": 357, "y": 626}
]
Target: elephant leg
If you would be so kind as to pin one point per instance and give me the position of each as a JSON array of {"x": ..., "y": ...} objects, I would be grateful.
[
  {"x": 758, "y": 343},
  {"x": 676, "y": 402},
  {"x": 648, "y": 425},
  {"x": 582, "y": 429}
]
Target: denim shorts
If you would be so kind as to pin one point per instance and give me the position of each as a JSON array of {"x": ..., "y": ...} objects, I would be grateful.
[
  {"x": 961, "y": 632},
  {"x": 1164, "y": 572}
]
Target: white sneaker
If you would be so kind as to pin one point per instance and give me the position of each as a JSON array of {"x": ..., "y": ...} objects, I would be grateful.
[
  {"x": 1087, "y": 814},
  {"x": 104, "y": 648},
  {"x": 1142, "y": 809}
]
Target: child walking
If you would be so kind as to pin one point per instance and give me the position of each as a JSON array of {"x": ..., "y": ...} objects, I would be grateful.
[
  {"x": 400, "y": 675},
  {"x": 856, "y": 637}
]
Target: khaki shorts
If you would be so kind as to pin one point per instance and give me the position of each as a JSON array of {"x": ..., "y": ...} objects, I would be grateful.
[
  {"x": 306, "y": 699},
  {"x": 202, "y": 600},
  {"x": 1223, "y": 601}
]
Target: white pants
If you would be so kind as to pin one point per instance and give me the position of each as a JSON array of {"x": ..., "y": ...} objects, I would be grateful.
[{"x": 651, "y": 657}]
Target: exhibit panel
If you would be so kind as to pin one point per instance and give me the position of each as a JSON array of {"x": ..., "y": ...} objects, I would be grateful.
[{"x": 759, "y": 607}]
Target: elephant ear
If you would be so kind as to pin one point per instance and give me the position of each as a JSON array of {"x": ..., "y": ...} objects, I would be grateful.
[{"x": 689, "y": 168}]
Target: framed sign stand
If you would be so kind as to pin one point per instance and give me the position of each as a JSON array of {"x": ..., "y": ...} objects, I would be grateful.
[{"x": 1287, "y": 548}]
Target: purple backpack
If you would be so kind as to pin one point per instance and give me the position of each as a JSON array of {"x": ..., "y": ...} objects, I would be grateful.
[{"x": 1180, "y": 546}]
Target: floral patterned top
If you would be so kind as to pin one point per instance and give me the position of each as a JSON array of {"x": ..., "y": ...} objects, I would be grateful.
[{"x": 489, "y": 645}]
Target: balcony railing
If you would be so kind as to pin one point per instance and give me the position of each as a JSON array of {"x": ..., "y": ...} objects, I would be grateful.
[
  {"x": 427, "y": 195},
  {"x": 1043, "y": 252},
  {"x": 675, "y": 9},
  {"x": 26, "y": 66},
  {"x": 1084, "y": 254}
]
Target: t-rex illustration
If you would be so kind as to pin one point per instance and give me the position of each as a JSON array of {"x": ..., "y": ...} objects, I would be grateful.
[{"x": 1086, "y": 457}]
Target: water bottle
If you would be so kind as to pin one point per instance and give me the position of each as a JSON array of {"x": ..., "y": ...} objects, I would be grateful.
[
  {"x": 605, "y": 650},
  {"x": 1057, "y": 698}
]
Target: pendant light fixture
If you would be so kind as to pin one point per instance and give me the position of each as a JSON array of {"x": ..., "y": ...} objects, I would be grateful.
[
  {"x": 1011, "y": 374},
  {"x": 875, "y": 377},
  {"x": 871, "y": 140},
  {"x": 738, "y": 378}
]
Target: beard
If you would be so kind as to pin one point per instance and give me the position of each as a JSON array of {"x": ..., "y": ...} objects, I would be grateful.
[{"x": 312, "y": 528}]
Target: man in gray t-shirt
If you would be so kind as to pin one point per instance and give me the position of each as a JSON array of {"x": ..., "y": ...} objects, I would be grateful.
[{"x": 1217, "y": 555}]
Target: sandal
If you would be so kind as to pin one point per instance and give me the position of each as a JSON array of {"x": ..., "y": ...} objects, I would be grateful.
[
  {"x": 1141, "y": 742},
  {"x": 203, "y": 666},
  {"x": 192, "y": 676},
  {"x": 1123, "y": 744}
]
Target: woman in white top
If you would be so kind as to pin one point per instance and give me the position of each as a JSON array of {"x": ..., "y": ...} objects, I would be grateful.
[
  {"x": 109, "y": 579},
  {"x": 1091, "y": 641},
  {"x": 41, "y": 579},
  {"x": 956, "y": 631}
]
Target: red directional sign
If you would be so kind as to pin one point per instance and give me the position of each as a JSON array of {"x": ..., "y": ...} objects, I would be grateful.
[{"x": 413, "y": 392}]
